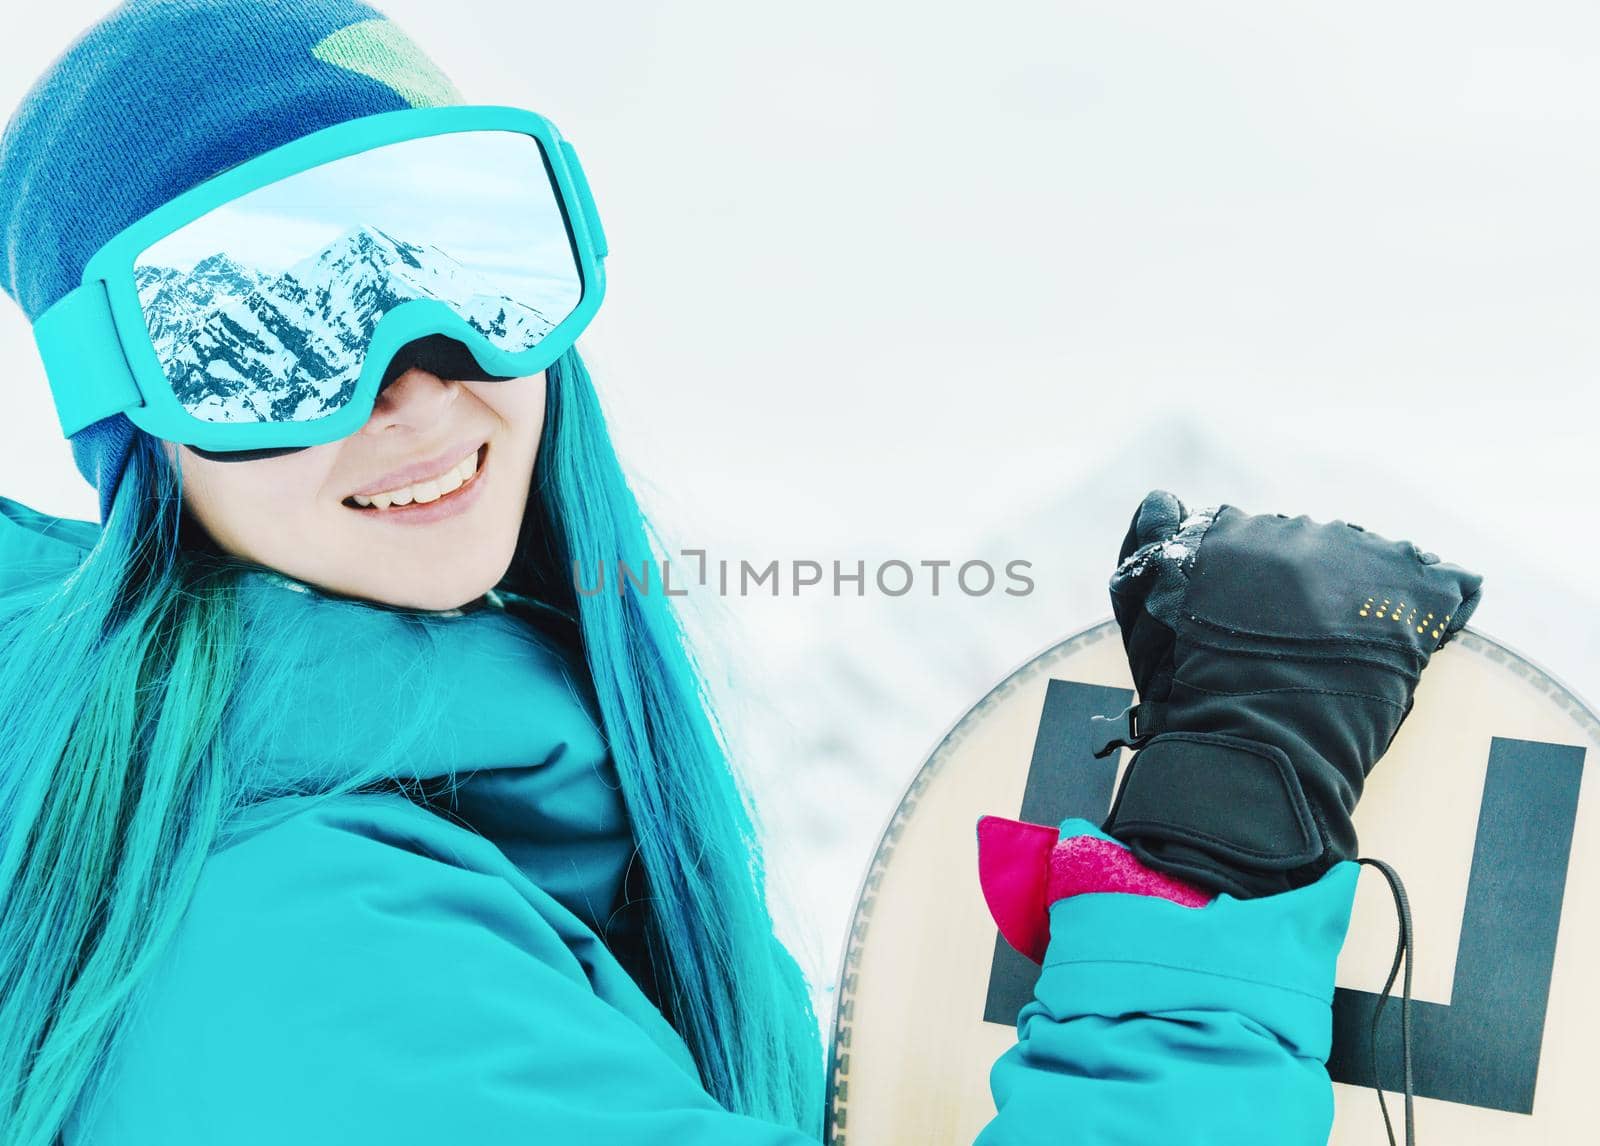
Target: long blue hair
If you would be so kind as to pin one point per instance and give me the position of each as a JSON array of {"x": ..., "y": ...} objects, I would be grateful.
[{"x": 115, "y": 783}]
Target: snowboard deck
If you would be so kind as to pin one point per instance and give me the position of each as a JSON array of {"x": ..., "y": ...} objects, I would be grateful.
[{"x": 1478, "y": 804}]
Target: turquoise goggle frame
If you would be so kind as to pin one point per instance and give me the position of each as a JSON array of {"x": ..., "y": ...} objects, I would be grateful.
[{"x": 97, "y": 350}]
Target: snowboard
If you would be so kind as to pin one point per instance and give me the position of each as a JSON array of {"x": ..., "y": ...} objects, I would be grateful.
[{"x": 1478, "y": 804}]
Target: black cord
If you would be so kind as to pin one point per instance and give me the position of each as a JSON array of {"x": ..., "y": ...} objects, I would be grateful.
[{"x": 1402, "y": 950}]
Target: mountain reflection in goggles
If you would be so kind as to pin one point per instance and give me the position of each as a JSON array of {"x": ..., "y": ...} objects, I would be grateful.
[
  {"x": 439, "y": 355},
  {"x": 262, "y": 309}
]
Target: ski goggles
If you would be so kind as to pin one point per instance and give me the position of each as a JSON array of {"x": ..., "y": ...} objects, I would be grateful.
[{"x": 259, "y": 311}]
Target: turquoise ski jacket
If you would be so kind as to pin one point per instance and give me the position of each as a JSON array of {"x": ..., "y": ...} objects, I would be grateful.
[{"x": 368, "y": 970}]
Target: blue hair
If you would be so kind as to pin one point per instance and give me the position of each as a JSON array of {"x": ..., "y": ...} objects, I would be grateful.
[{"x": 116, "y": 784}]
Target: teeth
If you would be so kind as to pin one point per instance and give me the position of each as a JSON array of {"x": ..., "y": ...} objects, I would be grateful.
[{"x": 423, "y": 492}]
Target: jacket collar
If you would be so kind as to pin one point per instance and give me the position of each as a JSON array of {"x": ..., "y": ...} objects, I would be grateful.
[
  {"x": 523, "y": 738},
  {"x": 533, "y": 770}
]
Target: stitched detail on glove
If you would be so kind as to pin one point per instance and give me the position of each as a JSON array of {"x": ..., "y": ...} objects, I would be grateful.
[
  {"x": 1281, "y": 648},
  {"x": 1397, "y": 644},
  {"x": 1298, "y": 688}
]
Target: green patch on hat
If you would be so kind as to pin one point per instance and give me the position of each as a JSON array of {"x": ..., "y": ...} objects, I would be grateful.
[{"x": 379, "y": 49}]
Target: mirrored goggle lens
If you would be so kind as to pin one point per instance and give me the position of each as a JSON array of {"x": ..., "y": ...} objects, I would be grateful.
[{"x": 262, "y": 309}]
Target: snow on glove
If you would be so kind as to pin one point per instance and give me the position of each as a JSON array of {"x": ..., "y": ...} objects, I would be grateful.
[{"x": 1275, "y": 659}]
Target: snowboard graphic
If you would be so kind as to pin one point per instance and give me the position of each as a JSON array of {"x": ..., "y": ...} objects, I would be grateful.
[{"x": 1479, "y": 805}]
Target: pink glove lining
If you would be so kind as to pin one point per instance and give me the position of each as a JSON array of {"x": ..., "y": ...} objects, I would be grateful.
[{"x": 1023, "y": 868}]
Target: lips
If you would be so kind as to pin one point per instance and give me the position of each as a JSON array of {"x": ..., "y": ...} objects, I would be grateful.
[
  {"x": 434, "y": 467},
  {"x": 417, "y": 507}
]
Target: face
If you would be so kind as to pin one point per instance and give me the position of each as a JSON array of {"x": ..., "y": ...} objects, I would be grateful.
[{"x": 296, "y": 513}]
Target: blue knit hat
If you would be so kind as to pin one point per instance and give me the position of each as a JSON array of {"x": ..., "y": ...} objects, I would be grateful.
[{"x": 159, "y": 96}]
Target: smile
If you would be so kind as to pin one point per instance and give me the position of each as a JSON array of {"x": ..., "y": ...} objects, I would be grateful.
[{"x": 444, "y": 496}]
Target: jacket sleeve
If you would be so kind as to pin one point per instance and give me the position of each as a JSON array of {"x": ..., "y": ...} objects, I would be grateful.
[
  {"x": 362, "y": 973},
  {"x": 1155, "y": 1022},
  {"x": 341, "y": 978}
]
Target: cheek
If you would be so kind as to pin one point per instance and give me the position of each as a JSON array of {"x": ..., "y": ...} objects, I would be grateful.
[
  {"x": 520, "y": 406},
  {"x": 242, "y": 499}
]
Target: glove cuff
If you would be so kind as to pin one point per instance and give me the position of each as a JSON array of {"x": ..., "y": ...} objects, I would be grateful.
[
  {"x": 1023, "y": 868},
  {"x": 1233, "y": 808}
]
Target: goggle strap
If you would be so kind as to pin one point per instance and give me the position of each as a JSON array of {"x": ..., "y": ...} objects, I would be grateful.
[{"x": 88, "y": 373}]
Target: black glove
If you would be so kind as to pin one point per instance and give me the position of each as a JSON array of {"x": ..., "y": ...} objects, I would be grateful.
[{"x": 1275, "y": 660}]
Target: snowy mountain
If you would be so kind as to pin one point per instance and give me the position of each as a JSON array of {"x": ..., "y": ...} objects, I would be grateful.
[
  {"x": 175, "y": 303},
  {"x": 245, "y": 347}
]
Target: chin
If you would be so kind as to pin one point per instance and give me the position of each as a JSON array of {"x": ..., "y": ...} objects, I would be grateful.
[
  {"x": 436, "y": 601},
  {"x": 420, "y": 579}
]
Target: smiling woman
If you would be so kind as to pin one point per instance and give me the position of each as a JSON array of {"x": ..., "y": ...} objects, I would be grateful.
[
  {"x": 318, "y": 829},
  {"x": 245, "y": 701},
  {"x": 453, "y": 456}
]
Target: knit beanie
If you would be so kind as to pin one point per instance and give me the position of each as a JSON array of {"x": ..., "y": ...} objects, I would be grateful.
[{"x": 154, "y": 99}]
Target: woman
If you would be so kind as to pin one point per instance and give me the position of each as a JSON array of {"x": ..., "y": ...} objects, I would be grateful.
[{"x": 330, "y": 812}]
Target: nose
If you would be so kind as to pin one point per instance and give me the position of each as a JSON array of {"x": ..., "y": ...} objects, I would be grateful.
[{"x": 415, "y": 399}]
